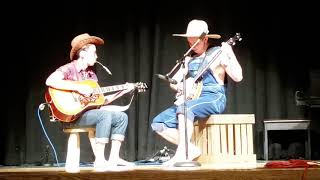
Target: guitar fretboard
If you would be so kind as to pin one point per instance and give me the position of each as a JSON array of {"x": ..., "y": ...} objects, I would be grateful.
[
  {"x": 231, "y": 42},
  {"x": 110, "y": 88}
]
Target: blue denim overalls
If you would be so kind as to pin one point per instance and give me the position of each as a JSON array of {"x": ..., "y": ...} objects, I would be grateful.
[{"x": 211, "y": 101}]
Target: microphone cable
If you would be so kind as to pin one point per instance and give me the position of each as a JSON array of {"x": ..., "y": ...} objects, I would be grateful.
[{"x": 40, "y": 108}]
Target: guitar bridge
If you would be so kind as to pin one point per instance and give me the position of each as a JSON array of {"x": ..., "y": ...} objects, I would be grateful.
[{"x": 86, "y": 100}]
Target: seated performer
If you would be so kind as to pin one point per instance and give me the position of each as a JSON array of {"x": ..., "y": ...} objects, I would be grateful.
[
  {"x": 108, "y": 124},
  {"x": 170, "y": 123}
]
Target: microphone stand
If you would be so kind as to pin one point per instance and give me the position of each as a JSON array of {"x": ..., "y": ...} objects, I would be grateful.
[
  {"x": 181, "y": 61},
  {"x": 186, "y": 163}
]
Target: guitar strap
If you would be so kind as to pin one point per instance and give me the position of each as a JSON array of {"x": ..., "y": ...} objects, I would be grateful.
[
  {"x": 117, "y": 108},
  {"x": 110, "y": 107},
  {"x": 203, "y": 64}
]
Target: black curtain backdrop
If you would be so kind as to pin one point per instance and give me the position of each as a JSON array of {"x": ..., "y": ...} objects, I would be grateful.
[{"x": 277, "y": 55}]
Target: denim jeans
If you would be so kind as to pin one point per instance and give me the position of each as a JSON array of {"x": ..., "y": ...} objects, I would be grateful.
[{"x": 107, "y": 123}]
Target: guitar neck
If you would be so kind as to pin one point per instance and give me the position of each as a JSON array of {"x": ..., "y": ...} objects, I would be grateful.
[
  {"x": 199, "y": 74},
  {"x": 231, "y": 42},
  {"x": 108, "y": 89}
]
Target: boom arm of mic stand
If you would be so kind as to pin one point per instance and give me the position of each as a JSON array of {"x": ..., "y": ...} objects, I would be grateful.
[
  {"x": 174, "y": 68},
  {"x": 182, "y": 59}
]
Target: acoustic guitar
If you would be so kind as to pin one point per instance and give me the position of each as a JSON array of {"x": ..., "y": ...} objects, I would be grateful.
[{"x": 67, "y": 106}]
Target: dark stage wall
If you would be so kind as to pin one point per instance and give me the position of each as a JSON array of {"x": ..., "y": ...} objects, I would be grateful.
[{"x": 277, "y": 54}]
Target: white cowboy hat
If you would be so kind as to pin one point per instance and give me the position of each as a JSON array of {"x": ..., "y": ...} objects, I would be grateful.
[{"x": 196, "y": 28}]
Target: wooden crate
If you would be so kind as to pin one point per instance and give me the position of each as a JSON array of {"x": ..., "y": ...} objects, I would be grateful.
[{"x": 225, "y": 138}]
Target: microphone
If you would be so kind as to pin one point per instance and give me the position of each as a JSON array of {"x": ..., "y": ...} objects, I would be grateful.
[
  {"x": 105, "y": 68},
  {"x": 203, "y": 35},
  {"x": 166, "y": 78}
]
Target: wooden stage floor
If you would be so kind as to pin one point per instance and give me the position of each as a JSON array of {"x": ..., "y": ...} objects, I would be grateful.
[{"x": 146, "y": 172}]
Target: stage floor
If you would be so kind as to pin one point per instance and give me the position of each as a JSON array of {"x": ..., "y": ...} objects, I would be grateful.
[{"x": 143, "y": 172}]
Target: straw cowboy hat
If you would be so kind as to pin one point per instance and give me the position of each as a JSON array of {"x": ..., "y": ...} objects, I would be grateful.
[
  {"x": 196, "y": 28},
  {"x": 81, "y": 40}
]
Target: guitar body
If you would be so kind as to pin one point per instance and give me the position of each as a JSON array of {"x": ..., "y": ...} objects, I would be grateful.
[
  {"x": 193, "y": 91},
  {"x": 67, "y": 106}
]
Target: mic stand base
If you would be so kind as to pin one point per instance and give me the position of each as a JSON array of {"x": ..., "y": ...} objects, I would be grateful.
[
  {"x": 187, "y": 164},
  {"x": 47, "y": 165}
]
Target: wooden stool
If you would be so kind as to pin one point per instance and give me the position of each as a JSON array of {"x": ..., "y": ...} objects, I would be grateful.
[
  {"x": 73, "y": 153},
  {"x": 225, "y": 138}
]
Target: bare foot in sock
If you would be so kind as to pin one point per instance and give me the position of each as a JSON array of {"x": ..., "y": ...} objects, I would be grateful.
[
  {"x": 180, "y": 156},
  {"x": 194, "y": 152},
  {"x": 101, "y": 166}
]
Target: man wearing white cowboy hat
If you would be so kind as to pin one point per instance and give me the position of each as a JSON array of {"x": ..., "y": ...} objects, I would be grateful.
[
  {"x": 211, "y": 96},
  {"x": 107, "y": 123}
]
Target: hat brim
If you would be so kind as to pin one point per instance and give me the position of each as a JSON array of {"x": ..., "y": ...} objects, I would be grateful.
[
  {"x": 91, "y": 40},
  {"x": 213, "y": 36}
]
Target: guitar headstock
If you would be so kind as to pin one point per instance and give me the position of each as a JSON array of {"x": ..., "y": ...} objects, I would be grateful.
[
  {"x": 141, "y": 87},
  {"x": 232, "y": 41}
]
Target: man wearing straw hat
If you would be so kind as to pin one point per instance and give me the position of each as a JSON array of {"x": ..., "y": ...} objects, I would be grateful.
[{"x": 212, "y": 96}]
